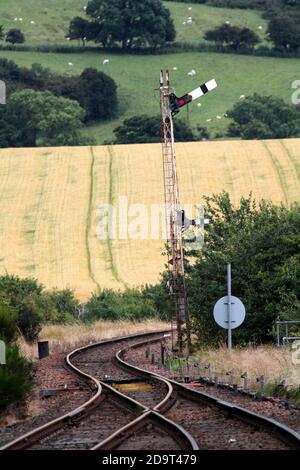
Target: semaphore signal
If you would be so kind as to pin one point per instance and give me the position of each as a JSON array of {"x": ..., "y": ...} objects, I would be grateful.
[{"x": 175, "y": 217}]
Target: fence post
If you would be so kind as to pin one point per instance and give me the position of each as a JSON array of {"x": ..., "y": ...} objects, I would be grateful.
[{"x": 43, "y": 348}]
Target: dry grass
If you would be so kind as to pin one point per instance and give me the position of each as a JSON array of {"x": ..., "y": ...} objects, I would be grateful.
[
  {"x": 272, "y": 362},
  {"x": 64, "y": 338},
  {"x": 49, "y": 200}
]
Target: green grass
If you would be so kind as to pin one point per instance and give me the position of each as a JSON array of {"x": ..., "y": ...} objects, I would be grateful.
[
  {"x": 52, "y": 19},
  {"x": 137, "y": 79},
  {"x": 205, "y": 17}
]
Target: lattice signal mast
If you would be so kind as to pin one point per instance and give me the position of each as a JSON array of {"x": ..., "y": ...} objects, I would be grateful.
[{"x": 170, "y": 105}]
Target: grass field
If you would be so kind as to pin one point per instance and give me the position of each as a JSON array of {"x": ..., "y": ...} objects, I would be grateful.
[
  {"x": 52, "y": 19},
  {"x": 49, "y": 201},
  {"x": 137, "y": 79}
]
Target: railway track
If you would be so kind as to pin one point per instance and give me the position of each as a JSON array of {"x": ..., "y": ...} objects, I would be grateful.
[{"x": 134, "y": 409}]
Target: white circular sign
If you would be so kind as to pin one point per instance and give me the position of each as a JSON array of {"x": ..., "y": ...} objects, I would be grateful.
[{"x": 238, "y": 312}]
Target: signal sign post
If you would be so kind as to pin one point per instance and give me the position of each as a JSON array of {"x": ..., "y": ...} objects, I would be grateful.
[
  {"x": 170, "y": 106},
  {"x": 229, "y": 311}
]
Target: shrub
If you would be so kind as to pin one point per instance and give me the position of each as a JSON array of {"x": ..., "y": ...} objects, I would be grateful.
[
  {"x": 116, "y": 305},
  {"x": 15, "y": 36},
  {"x": 8, "y": 323},
  {"x": 15, "y": 380}
]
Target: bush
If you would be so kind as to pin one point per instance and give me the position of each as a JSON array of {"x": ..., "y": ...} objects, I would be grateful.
[
  {"x": 26, "y": 306},
  {"x": 233, "y": 37},
  {"x": 115, "y": 305},
  {"x": 15, "y": 36},
  {"x": 262, "y": 243},
  {"x": 15, "y": 380},
  {"x": 284, "y": 32},
  {"x": 8, "y": 324},
  {"x": 147, "y": 129},
  {"x": 264, "y": 117}
]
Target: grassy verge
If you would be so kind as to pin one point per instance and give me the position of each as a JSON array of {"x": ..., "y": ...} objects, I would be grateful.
[
  {"x": 64, "y": 338},
  {"x": 275, "y": 364}
]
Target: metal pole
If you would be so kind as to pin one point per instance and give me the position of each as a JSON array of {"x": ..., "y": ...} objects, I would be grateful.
[
  {"x": 229, "y": 305},
  {"x": 278, "y": 334}
]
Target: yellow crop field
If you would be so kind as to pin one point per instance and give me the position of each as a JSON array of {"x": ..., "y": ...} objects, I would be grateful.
[{"x": 52, "y": 200}]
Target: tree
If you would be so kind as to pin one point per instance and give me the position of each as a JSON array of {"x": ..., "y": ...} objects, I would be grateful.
[
  {"x": 284, "y": 32},
  {"x": 262, "y": 242},
  {"x": 133, "y": 23},
  {"x": 264, "y": 117},
  {"x": 78, "y": 29},
  {"x": 233, "y": 37},
  {"x": 100, "y": 95},
  {"x": 147, "y": 129},
  {"x": 15, "y": 36},
  {"x": 1, "y": 32},
  {"x": 40, "y": 118},
  {"x": 9, "y": 70},
  {"x": 95, "y": 91}
]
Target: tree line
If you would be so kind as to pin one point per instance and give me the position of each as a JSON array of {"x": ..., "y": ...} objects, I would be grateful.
[
  {"x": 253, "y": 117},
  {"x": 137, "y": 24},
  {"x": 47, "y": 109}
]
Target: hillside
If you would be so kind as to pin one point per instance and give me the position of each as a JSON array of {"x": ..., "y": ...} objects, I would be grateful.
[
  {"x": 50, "y": 199},
  {"x": 137, "y": 79},
  {"x": 51, "y": 19}
]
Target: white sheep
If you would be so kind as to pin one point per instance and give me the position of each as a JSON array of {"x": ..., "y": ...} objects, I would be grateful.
[{"x": 106, "y": 61}]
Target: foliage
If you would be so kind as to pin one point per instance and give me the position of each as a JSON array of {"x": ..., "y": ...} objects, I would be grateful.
[
  {"x": 8, "y": 323},
  {"x": 15, "y": 36},
  {"x": 262, "y": 242},
  {"x": 39, "y": 118},
  {"x": 1, "y": 32},
  {"x": 132, "y": 23},
  {"x": 29, "y": 306},
  {"x": 115, "y": 305},
  {"x": 95, "y": 91},
  {"x": 100, "y": 95},
  {"x": 284, "y": 32},
  {"x": 233, "y": 37},
  {"x": 147, "y": 129},
  {"x": 264, "y": 117},
  {"x": 15, "y": 380},
  {"x": 79, "y": 29}
]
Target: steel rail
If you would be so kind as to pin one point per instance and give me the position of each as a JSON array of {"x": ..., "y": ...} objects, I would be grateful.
[
  {"x": 86, "y": 408},
  {"x": 185, "y": 440},
  {"x": 284, "y": 432}
]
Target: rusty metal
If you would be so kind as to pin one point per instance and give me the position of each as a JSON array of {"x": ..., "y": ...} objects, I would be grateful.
[{"x": 177, "y": 284}]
